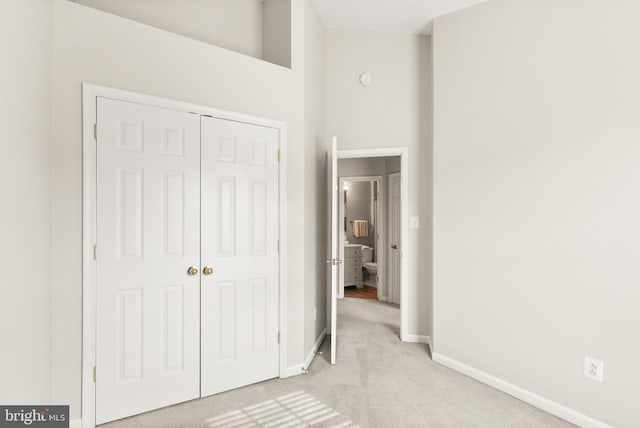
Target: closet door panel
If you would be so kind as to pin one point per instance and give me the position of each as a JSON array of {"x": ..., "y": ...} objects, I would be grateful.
[
  {"x": 148, "y": 234},
  {"x": 240, "y": 243}
]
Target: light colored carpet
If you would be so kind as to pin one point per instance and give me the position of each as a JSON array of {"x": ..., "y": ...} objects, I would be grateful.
[{"x": 378, "y": 381}]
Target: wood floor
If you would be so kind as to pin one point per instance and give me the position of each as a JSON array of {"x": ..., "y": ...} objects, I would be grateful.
[{"x": 365, "y": 292}]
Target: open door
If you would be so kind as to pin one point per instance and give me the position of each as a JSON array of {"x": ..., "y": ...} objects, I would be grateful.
[{"x": 332, "y": 246}]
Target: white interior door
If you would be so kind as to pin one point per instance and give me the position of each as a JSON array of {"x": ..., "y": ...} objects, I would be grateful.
[
  {"x": 395, "y": 252},
  {"x": 240, "y": 246},
  {"x": 334, "y": 240},
  {"x": 148, "y": 235}
]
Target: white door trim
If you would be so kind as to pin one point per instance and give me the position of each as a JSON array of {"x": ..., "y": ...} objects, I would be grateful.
[
  {"x": 90, "y": 93},
  {"x": 381, "y": 228},
  {"x": 403, "y": 152}
]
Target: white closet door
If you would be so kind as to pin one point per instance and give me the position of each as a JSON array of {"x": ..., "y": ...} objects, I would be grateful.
[
  {"x": 148, "y": 234},
  {"x": 240, "y": 245}
]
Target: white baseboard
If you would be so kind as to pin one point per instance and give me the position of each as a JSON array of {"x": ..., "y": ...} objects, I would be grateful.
[
  {"x": 300, "y": 368},
  {"x": 385, "y": 299},
  {"x": 75, "y": 423},
  {"x": 316, "y": 346},
  {"x": 294, "y": 370},
  {"x": 527, "y": 396},
  {"x": 417, "y": 338}
]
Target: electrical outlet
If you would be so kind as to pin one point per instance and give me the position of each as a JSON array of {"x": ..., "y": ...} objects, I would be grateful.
[
  {"x": 414, "y": 222},
  {"x": 593, "y": 369}
]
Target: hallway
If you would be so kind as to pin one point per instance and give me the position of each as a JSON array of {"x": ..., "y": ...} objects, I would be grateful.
[{"x": 377, "y": 382}]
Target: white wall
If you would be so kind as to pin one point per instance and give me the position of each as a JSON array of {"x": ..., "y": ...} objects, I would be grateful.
[
  {"x": 536, "y": 197},
  {"x": 276, "y": 43},
  {"x": 25, "y": 111},
  {"x": 105, "y": 49},
  {"x": 393, "y": 111},
  {"x": 316, "y": 145},
  {"x": 231, "y": 24}
]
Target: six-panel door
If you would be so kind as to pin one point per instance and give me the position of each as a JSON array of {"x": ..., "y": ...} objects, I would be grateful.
[
  {"x": 240, "y": 244},
  {"x": 187, "y": 273},
  {"x": 148, "y": 234}
]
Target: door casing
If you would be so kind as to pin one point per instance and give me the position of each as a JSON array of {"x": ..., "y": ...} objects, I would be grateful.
[{"x": 90, "y": 93}]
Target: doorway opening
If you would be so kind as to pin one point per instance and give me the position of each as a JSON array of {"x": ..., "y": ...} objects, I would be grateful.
[
  {"x": 370, "y": 214},
  {"x": 362, "y": 273},
  {"x": 368, "y": 208}
]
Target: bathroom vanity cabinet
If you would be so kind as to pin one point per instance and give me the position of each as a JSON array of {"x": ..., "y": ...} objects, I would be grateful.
[{"x": 353, "y": 265}]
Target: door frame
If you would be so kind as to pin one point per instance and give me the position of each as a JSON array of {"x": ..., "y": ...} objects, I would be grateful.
[
  {"x": 90, "y": 93},
  {"x": 403, "y": 152},
  {"x": 380, "y": 220},
  {"x": 402, "y": 244}
]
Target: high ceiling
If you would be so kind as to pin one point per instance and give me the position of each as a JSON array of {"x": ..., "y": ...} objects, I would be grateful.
[{"x": 394, "y": 16}]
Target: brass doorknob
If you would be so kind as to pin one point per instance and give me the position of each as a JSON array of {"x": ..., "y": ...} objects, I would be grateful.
[
  {"x": 192, "y": 270},
  {"x": 208, "y": 270}
]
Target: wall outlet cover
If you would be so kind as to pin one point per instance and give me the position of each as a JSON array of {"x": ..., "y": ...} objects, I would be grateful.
[
  {"x": 414, "y": 222},
  {"x": 593, "y": 369}
]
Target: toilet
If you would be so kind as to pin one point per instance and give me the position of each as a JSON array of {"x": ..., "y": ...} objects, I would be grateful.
[{"x": 370, "y": 267}]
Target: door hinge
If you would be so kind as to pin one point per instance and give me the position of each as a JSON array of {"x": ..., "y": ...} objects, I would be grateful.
[
  {"x": 278, "y": 338},
  {"x": 278, "y": 155},
  {"x": 94, "y": 374},
  {"x": 95, "y": 131},
  {"x": 95, "y": 252}
]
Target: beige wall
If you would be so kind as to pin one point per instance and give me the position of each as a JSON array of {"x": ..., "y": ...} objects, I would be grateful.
[
  {"x": 25, "y": 225},
  {"x": 536, "y": 197},
  {"x": 393, "y": 111},
  {"x": 362, "y": 167},
  {"x": 315, "y": 147},
  {"x": 231, "y": 24},
  {"x": 392, "y": 165},
  {"x": 276, "y": 42},
  {"x": 96, "y": 47}
]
